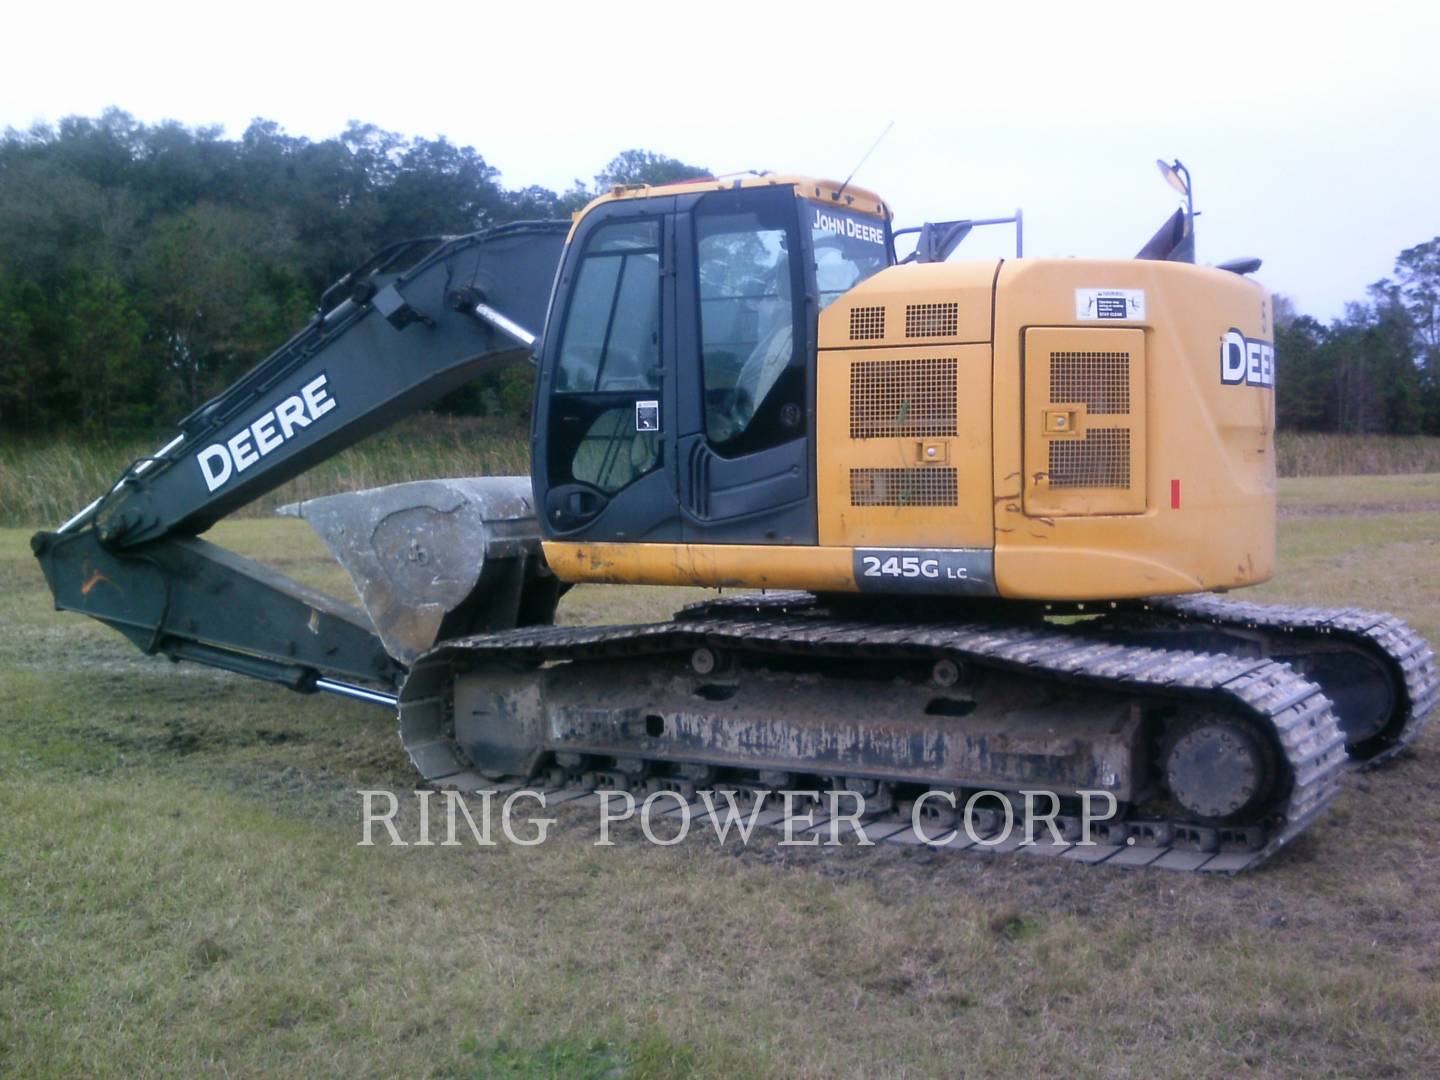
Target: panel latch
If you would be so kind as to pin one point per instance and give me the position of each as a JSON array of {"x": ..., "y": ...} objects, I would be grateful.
[
  {"x": 1061, "y": 421},
  {"x": 932, "y": 453}
]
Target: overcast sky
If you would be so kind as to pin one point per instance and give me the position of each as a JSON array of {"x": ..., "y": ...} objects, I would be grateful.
[{"x": 1311, "y": 129}]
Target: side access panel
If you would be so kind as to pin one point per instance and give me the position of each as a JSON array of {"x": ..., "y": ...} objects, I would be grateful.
[
  {"x": 903, "y": 403},
  {"x": 905, "y": 447},
  {"x": 1084, "y": 434}
]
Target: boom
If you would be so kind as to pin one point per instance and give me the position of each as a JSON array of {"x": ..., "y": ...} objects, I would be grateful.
[
  {"x": 415, "y": 321},
  {"x": 396, "y": 342}
]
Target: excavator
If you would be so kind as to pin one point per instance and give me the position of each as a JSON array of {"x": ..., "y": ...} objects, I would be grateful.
[{"x": 975, "y": 519}]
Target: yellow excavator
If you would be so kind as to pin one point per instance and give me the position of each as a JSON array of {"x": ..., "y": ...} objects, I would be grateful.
[{"x": 975, "y": 514}]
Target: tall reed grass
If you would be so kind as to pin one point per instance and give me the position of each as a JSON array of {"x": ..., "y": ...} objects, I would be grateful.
[
  {"x": 43, "y": 482},
  {"x": 1308, "y": 454}
]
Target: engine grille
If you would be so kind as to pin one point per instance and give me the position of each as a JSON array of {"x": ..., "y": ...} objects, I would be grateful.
[
  {"x": 923, "y": 486},
  {"x": 1099, "y": 379},
  {"x": 932, "y": 320},
  {"x": 903, "y": 397},
  {"x": 867, "y": 323},
  {"x": 1100, "y": 460}
]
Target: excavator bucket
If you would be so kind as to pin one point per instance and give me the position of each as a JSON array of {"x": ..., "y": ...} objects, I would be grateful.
[{"x": 438, "y": 559}]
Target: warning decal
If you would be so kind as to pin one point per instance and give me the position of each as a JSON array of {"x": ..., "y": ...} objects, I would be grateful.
[{"x": 1110, "y": 304}]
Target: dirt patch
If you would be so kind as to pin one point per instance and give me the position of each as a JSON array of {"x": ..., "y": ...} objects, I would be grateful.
[{"x": 182, "y": 736}]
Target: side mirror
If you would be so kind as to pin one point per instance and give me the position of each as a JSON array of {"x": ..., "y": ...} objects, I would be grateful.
[
  {"x": 1176, "y": 175},
  {"x": 1175, "y": 240}
]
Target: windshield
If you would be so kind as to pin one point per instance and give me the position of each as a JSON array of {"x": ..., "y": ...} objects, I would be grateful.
[{"x": 849, "y": 247}]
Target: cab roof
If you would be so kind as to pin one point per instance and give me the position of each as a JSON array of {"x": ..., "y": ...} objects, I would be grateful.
[{"x": 853, "y": 198}]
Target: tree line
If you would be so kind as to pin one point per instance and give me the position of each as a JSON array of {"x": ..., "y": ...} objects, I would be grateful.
[
  {"x": 1376, "y": 370},
  {"x": 144, "y": 267}
]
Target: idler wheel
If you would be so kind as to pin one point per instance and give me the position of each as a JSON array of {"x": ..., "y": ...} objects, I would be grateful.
[
  {"x": 1218, "y": 770},
  {"x": 1363, "y": 694}
]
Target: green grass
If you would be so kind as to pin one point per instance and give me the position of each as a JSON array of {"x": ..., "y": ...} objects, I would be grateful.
[
  {"x": 181, "y": 892},
  {"x": 1343, "y": 495}
]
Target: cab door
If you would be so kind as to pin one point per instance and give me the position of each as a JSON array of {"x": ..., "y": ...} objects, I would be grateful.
[
  {"x": 604, "y": 433},
  {"x": 744, "y": 373}
]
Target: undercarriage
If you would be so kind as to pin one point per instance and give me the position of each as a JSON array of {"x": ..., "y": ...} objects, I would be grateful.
[{"x": 1221, "y": 730}]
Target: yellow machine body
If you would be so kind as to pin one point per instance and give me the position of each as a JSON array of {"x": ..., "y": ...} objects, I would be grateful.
[{"x": 1089, "y": 429}]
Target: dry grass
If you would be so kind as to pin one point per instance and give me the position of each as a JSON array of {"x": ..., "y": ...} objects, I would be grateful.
[
  {"x": 1308, "y": 454},
  {"x": 180, "y": 892},
  {"x": 43, "y": 483}
]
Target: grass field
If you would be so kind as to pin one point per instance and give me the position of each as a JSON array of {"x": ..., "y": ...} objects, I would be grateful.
[
  {"x": 48, "y": 480},
  {"x": 181, "y": 892}
]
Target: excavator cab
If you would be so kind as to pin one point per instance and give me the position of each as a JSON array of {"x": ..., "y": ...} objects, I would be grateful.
[{"x": 676, "y": 395}]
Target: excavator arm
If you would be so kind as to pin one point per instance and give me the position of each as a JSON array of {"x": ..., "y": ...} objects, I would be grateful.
[{"x": 412, "y": 323}]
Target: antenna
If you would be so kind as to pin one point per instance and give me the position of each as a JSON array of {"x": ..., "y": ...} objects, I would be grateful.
[{"x": 846, "y": 184}]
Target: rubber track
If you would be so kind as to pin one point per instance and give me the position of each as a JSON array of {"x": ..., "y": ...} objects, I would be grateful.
[
  {"x": 1409, "y": 656},
  {"x": 1302, "y": 720}
]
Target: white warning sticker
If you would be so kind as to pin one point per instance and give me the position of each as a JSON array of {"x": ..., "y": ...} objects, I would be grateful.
[{"x": 1110, "y": 304}]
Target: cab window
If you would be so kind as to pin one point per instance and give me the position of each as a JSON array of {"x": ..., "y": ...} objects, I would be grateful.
[
  {"x": 849, "y": 247},
  {"x": 753, "y": 369},
  {"x": 609, "y": 361},
  {"x": 611, "y": 340}
]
